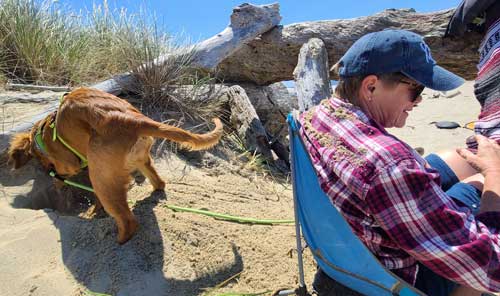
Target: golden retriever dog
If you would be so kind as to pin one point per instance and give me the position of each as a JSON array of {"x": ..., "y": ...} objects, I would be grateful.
[{"x": 112, "y": 137}]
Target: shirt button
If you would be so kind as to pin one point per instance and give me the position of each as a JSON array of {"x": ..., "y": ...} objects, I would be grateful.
[{"x": 474, "y": 206}]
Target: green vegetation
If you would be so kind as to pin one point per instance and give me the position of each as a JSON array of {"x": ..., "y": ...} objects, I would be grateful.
[{"x": 43, "y": 42}]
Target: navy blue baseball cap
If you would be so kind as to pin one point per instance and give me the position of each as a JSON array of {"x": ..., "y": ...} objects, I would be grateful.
[{"x": 392, "y": 51}]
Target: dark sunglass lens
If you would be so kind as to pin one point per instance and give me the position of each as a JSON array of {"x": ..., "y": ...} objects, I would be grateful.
[{"x": 417, "y": 92}]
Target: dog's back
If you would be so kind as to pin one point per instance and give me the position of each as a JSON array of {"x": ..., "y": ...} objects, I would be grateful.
[{"x": 107, "y": 115}]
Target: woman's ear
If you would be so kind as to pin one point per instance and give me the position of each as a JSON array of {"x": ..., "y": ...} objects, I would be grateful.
[
  {"x": 368, "y": 87},
  {"x": 19, "y": 150}
]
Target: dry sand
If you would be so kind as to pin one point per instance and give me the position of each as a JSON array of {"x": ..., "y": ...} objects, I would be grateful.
[{"x": 45, "y": 252}]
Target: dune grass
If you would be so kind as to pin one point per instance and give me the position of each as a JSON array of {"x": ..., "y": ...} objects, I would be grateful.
[{"x": 44, "y": 42}]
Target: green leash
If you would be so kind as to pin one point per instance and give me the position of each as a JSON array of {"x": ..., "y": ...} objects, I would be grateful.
[
  {"x": 53, "y": 174},
  {"x": 226, "y": 217},
  {"x": 230, "y": 217}
]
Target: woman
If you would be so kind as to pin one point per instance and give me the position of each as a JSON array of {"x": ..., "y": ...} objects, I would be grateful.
[{"x": 390, "y": 196}]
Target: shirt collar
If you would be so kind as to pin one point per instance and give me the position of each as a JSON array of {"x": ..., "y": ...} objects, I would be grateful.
[{"x": 360, "y": 114}]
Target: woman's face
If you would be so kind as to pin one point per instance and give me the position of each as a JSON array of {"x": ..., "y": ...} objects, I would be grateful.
[{"x": 389, "y": 103}]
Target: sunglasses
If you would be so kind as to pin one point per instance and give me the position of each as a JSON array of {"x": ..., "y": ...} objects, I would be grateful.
[{"x": 416, "y": 89}]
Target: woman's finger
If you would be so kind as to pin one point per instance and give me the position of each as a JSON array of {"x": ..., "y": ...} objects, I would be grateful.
[
  {"x": 465, "y": 154},
  {"x": 470, "y": 157},
  {"x": 481, "y": 140}
]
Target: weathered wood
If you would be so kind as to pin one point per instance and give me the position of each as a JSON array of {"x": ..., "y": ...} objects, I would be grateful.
[
  {"x": 12, "y": 97},
  {"x": 6, "y": 136},
  {"x": 246, "y": 121},
  {"x": 273, "y": 56},
  {"x": 311, "y": 74},
  {"x": 16, "y": 86},
  {"x": 115, "y": 84},
  {"x": 272, "y": 103},
  {"x": 248, "y": 21}
]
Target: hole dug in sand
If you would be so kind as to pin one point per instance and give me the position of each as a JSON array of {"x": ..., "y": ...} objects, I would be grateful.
[{"x": 31, "y": 188}]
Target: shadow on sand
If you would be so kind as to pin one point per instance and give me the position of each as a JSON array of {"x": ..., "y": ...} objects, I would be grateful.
[{"x": 139, "y": 267}]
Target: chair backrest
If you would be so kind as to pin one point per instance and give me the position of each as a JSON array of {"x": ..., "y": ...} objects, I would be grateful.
[{"x": 336, "y": 249}]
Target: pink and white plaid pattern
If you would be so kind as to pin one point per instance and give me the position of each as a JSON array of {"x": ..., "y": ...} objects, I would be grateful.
[{"x": 394, "y": 203}]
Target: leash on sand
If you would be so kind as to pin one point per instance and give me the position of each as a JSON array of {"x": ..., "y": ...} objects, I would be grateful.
[
  {"x": 215, "y": 215},
  {"x": 230, "y": 217}
]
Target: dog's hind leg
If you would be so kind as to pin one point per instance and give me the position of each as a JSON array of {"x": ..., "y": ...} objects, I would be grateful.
[
  {"x": 150, "y": 172},
  {"x": 109, "y": 177},
  {"x": 139, "y": 157}
]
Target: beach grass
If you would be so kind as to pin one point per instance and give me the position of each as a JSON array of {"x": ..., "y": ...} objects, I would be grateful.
[{"x": 44, "y": 42}]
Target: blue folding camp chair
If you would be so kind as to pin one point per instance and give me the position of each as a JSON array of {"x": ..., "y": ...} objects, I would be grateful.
[{"x": 336, "y": 249}]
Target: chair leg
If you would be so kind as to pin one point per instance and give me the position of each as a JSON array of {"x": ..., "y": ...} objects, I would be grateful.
[{"x": 300, "y": 291}]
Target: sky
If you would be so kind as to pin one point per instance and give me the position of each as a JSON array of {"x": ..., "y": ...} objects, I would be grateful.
[{"x": 201, "y": 19}]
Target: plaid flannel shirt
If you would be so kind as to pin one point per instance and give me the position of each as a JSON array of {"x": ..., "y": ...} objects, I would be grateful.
[{"x": 393, "y": 201}]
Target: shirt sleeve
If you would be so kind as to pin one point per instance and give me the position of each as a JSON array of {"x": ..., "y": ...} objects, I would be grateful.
[{"x": 407, "y": 202}]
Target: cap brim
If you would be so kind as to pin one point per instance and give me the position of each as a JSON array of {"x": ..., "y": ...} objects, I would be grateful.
[{"x": 436, "y": 78}]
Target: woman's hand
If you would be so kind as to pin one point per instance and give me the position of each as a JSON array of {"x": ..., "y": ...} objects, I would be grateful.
[{"x": 487, "y": 159}]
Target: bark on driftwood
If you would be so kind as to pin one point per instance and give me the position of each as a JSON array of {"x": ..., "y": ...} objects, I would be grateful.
[
  {"x": 262, "y": 109},
  {"x": 311, "y": 74},
  {"x": 272, "y": 103},
  {"x": 247, "y": 122},
  {"x": 273, "y": 56}
]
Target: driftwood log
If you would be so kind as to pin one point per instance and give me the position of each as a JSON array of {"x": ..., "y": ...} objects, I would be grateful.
[
  {"x": 241, "y": 53},
  {"x": 248, "y": 125},
  {"x": 273, "y": 56},
  {"x": 17, "y": 86},
  {"x": 312, "y": 81},
  {"x": 247, "y": 22}
]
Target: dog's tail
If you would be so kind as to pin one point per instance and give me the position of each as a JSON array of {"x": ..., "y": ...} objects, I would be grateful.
[{"x": 186, "y": 139}]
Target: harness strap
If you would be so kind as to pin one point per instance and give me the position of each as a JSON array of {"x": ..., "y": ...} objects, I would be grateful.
[
  {"x": 39, "y": 140},
  {"x": 55, "y": 136}
]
